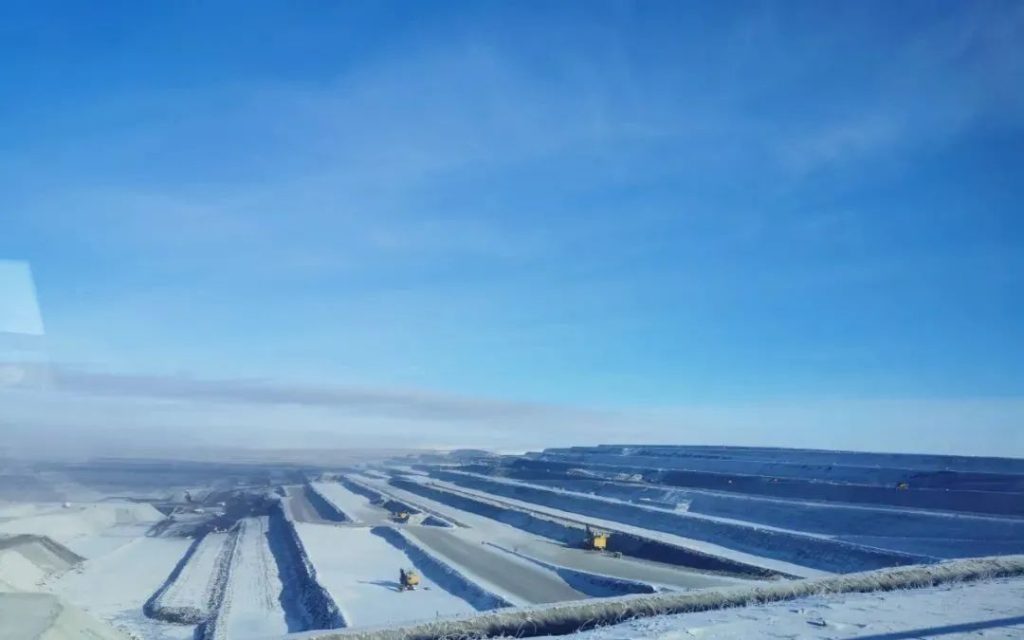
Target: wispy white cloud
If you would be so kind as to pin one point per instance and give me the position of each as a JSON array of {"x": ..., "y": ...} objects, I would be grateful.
[{"x": 73, "y": 411}]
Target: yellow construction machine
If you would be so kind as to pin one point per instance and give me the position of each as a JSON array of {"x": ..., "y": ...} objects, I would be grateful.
[
  {"x": 596, "y": 540},
  {"x": 400, "y": 516},
  {"x": 408, "y": 579}
]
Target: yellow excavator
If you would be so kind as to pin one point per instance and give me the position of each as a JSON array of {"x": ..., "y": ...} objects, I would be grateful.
[
  {"x": 408, "y": 579},
  {"x": 596, "y": 540}
]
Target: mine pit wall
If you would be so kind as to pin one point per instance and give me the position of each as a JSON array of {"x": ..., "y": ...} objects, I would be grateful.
[
  {"x": 914, "y": 461},
  {"x": 978, "y": 502},
  {"x": 808, "y": 551},
  {"x": 441, "y": 573},
  {"x": 814, "y": 517},
  {"x": 298, "y": 574},
  {"x": 325, "y": 507},
  {"x": 886, "y": 476},
  {"x": 572, "y": 535},
  {"x": 571, "y": 617}
]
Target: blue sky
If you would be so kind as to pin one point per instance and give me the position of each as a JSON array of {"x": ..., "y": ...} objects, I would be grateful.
[{"x": 653, "y": 207}]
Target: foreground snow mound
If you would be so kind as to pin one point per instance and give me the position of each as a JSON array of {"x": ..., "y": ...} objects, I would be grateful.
[
  {"x": 40, "y": 616},
  {"x": 991, "y": 610}
]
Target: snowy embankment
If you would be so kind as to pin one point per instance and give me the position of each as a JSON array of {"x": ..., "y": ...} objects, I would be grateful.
[
  {"x": 805, "y": 550},
  {"x": 387, "y": 502},
  {"x": 448, "y": 576},
  {"x": 570, "y": 533},
  {"x": 193, "y": 590},
  {"x": 359, "y": 570},
  {"x": 326, "y": 504},
  {"x": 570, "y": 617}
]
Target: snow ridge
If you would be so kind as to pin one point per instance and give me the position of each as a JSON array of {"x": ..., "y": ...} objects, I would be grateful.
[{"x": 176, "y": 600}]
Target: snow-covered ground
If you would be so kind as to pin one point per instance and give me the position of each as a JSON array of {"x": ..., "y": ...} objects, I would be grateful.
[
  {"x": 992, "y": 610},
  {"x": 114, "y": 586},
  {"x": 360, "y": 571},
  {"x": 251, "y": 607},
  {"x": 35, "y": 616}
]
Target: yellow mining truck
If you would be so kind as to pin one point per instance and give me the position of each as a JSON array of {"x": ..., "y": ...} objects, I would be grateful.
[{"x": 408, "y": 579}]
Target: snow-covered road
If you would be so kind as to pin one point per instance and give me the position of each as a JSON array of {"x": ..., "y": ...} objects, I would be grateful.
[{"x": 521, "y": 582}]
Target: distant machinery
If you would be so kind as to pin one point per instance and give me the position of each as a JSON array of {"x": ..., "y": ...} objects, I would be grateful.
[
  {"x": 408, "y": 579},
  {"x": 400, "y": 516}
]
